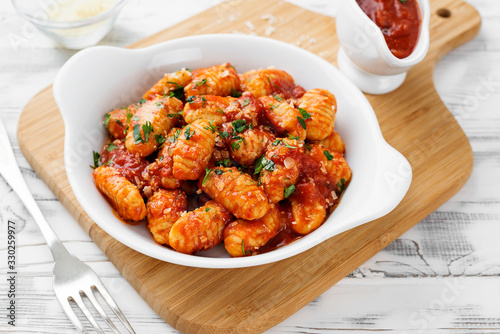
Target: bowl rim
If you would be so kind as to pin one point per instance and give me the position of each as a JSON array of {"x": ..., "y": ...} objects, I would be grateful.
[
  {"x": 46, "y": 23},
  {"x": 214, "y": 262}
]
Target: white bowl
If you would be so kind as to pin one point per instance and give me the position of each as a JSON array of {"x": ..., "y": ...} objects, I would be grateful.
[
  {"x": 70, "y": 34},
  {"x": 101, "y": 78}
]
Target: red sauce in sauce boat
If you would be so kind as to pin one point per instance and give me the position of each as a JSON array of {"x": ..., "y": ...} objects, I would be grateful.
[{"x": 381, "y": 40}]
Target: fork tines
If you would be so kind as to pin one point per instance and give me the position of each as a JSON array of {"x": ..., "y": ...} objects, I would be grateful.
[{"x": 90, "y": 294}]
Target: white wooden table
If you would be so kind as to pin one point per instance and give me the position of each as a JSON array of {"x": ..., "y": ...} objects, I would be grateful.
[{"x": 442, "y": 276}]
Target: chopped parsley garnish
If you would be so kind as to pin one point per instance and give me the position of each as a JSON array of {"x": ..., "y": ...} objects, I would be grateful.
[
  {"x": 211, "y": 127},
  {"x": 328, "y": 155},
  {"x": 111, "y": 147},
  {"x": 263, "y": 163},
  {"x": 97, "y": 156},
  {"x": 293, "y": 137},
  {"x": 204, "y": 101},
  {"x": 142, "y": 101},
  {"x": 271, "y": 106},
  {"x": 224, "y": 134},
  {"x": 200, "y": 83},
  {"x": 245, "y": 102},
  {"x": 137, "y": 134},
  {"x": 281, "y": 142},
  {"x": 402, "y": 1},
  {"x": 302, "y": 122},
  {"x": 277, "y": 97},
  {"x": 175, "y": 83},
  {"x": 178, "y": 93},
  {"x": 129, "y": 116},
  {"x": 239, "y": 125},
  {"x": 243, "y": 248},
  {"x": 208, "y": 174},
  {"x": 224, "y": 162},
  {"x": 220, "y": 111},
  {"x": 159, "y": 104},
  {"x": 106, "y": 120},
  {"x": 110, "y": 161},
  {"x": 188, "y": 134},
  {"x": 160, "y": 139},
  {"x": 174, "y": 137},
  {"x": 288, "y": 191},
  {"x": 236, "y": 145},
  {"x": 235, "y": 93},
  {"x": 304, "y": 113},
  {"x": 147, "y": 129},
  {"x": 160, "y": 158},
  {"x": 177, "y": 115},
  {"x": 341, "y": 185},
  {"x": 191, "y": 99},
  {"x": 272, "y": 83},
  {"x": 135, "y": 118},
  {"x": 307, "y": 146},
  {"x": 207, "y": 209}
]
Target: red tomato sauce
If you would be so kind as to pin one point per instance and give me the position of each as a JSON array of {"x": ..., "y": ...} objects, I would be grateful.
[
  {"x": 285, "y": 235},
  {"x": 128, "y": 164},
  {"x": 399, "y": 20},
  {"x": 310, "y": 172}
]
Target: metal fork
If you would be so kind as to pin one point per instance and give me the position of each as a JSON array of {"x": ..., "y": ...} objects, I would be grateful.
[{"x": 73, "y": 279}]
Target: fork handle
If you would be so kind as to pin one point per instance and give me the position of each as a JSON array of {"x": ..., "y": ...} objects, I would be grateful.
[{"x": 12, "y": 174}]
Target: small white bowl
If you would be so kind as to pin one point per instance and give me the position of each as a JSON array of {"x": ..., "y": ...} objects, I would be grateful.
[
  {"x": 101, "y": 78},
  {"x": 364, "y": 56},
  {"x": 70, "y": 34}
]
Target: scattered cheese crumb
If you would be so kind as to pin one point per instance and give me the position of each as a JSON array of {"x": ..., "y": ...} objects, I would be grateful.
[
  {"x": 250, "y": 25},
  {"x": 269, "y": 18},
  {"x": 289, "y": 162},
  {"x": 270, "y": 30}
]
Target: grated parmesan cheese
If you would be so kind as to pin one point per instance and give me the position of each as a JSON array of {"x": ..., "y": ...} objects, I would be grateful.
[
  {"x": 80, "y": 10},
  {"x": 289, "y": 162}
]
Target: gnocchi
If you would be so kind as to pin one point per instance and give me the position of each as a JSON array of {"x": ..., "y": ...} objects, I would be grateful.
[
  {"x": 150, "y": 123},
  {"x": 214, "y": 156},
  {"x": 164, "y": 209},
  {"x": 200, "y": 229},
  {"x": 320, "y": 107}
]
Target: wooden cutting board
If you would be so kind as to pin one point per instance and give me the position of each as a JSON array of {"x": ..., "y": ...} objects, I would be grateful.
[{"x": 250, "y": 300}]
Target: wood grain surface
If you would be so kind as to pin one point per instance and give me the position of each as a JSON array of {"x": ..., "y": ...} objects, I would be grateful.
[{"x": 413, "y": 120}]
